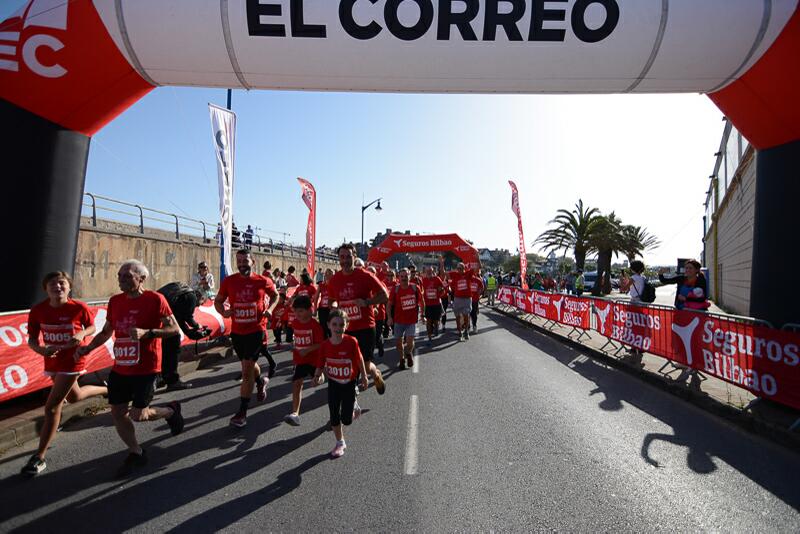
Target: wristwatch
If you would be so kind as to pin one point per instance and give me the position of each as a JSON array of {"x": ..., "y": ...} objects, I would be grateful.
[{"x": 150, "y": 333}]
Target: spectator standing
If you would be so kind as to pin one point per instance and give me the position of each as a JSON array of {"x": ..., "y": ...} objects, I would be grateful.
[
  {"x": 320, "y": 276},
  {"x": 580, "y": 283},
  {"x": 491, "y": 289},
  {"x": 635, "y": 290},
  {"x": 692, "y": 293},
  {"x": 203, "y": 281},
  {"x": 248, "y": 237}
]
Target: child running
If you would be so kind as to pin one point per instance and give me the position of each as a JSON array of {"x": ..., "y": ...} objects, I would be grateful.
[
  {"x": 62, "y": 324},
  {"x": 341, "y": 360},
  {"x": 308, "y": 335}
]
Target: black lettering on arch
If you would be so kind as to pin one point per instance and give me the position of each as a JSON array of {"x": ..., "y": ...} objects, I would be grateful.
[
  {"x": 460, "y": 20},
  {"x": 539, "y": 15},
  {"x": 348, "y": 22},
  {"x": 299, "y": 26},
  {"x": 508, "y": 21},
  {"x": 255, "y": 10},
  {"x": 408, "y": 33},
  {"x": 586, "y": 34}
]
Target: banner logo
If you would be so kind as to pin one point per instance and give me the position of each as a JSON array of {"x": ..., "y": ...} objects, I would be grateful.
[{"x": 45, "y": 14}]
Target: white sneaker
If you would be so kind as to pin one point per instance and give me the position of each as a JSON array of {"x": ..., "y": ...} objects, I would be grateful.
[
  {"x": 293, "y": 419},
  {"x": 356, "y": 411}
]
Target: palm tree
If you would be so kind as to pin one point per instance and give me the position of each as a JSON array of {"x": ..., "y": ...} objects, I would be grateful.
[
  {"x": 572, "y": 231},
  {"x": 607, "y": 239},
  {"x": 637, "y": 241}
]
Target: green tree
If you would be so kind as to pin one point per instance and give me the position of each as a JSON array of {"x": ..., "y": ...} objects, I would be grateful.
[
  {"x": 636, "y": 240},
  {"x": 572, "y": 231},
  {"x": 607, "y": 239}
]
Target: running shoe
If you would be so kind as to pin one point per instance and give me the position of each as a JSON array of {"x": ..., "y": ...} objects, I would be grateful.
[
  {"x": 338, "y": 450},
  {"x": 34, "y": 466},
  {"x": 179, "y": 385},
  {"x": 356, "y": 411},
  {"x": 132, "y": 463},
  {"x": 409, "y": 360},
  {"x": 474, "y": 329},
  {"x": 261, "y": 389},
  {"x": 239, "y": 420},
  {"x": 238, "y": 378},
  {"x": 402, "y": 364},
  {"x": 293, "y": 419},
  {"x": 175, "y": 421},
  {"x": 466, "y": 334},
  {"x": 380, "y": 385}
]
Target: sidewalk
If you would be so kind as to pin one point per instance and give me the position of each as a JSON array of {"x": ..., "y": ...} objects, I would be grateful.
[
  {"x": 21, "y": 419},
  {"x": 764, "y": 417}
]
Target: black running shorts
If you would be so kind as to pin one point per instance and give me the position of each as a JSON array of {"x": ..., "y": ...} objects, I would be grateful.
[
  {"x": 136, "y": 389},
  {"x": 248, "y": 346}
]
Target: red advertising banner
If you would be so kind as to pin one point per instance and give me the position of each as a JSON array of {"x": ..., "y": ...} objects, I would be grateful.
[
  {"x": 523, "y": 256},
  {"x": 22, "y": 370},
  {"x": 763, "y": 360},
  {"x": 310, "y": 198}
]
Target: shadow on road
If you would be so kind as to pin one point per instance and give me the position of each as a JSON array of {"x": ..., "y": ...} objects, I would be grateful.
[{"x": 705, "y": 437}]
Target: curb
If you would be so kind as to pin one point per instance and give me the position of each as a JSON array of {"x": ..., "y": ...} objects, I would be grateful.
[
  {"x": 744, "y": 420},
  {"x": 27, "y": 429}
]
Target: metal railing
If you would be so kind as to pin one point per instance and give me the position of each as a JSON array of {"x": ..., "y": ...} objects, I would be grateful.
[{"x": 186, "y": 227}]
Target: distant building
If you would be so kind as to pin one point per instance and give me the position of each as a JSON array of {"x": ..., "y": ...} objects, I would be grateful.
[{"x": 728, "y": 223}]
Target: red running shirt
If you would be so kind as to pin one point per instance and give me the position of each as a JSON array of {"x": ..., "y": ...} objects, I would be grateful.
[
  {"x": 247, "y": 296},
  {"x": 345, "y": 289},
  {"x": 57, "y": 326},
  {"x": 342, "y": 362},
  {"x": 459, "y": 282},
  {"x": 305, "y": 335},
  {"x": 476, "y": 287},
  {"x": 142, "y": 356},
  {"x": 324, "y": 295},
  {"x": 433, "y": 288},
  {"x": 308, "y": 291},
  {"x": 406, "y": 303}
]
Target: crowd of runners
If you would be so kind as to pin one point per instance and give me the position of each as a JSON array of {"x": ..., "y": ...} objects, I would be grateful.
[{"x": 336, "y": 329}]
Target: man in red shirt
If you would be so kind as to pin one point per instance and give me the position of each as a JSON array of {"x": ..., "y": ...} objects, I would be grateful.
[
  {"x": 405, "y": 301},
  {"x": 462, "y": 298},
  {"x": 247, "y": 295},
  {"x": 476, "y": 287},
  {"x": 433, "y": 288},
  {"x": 356, "y": 291},
  {"x": 138, "y": 319}
]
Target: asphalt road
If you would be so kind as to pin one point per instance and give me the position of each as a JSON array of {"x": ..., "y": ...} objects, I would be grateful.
[{"x": 511, "y": 431}]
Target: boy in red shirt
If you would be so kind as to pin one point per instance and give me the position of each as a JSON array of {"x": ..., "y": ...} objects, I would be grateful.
[
  {"x": 405, "y": 301},
  {"x": 341, "y": 361},
  {"x": 308, "y": 335},
  {"x": 276, "y": 321}
]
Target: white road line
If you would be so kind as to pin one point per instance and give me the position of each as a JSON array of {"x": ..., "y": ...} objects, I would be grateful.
[
  {"x": 415, "y": 369},
  {"x": 411, "y": 439}
]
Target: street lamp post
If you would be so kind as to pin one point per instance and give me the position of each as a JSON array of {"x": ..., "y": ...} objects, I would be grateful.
[{"x": 363, "y": 209}]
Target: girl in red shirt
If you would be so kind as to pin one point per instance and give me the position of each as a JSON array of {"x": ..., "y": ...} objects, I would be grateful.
[
  {"x": 56, "y": 327},
  {"x": 341, "y": 361}
]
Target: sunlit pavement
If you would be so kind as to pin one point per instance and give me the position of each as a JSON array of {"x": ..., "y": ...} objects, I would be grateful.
[{"x": 509, "y": 431}]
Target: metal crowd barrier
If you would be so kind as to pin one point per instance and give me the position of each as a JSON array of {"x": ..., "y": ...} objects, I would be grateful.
[{"x": 659, "y": 341}]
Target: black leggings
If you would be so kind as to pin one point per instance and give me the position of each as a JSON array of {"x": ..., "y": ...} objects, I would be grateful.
[
  {"x": 341, "y": 399},
  {"x": 445, "y": 303},
  {"x": 474, "y": 313},
  {"x": 322, "y": 315}
]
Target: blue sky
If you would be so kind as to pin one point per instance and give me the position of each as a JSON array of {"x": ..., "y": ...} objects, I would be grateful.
[{"x": 440, "y": 162}]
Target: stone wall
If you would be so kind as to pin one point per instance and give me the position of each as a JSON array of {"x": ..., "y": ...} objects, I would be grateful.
[{"x": 101, "y": 251}]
